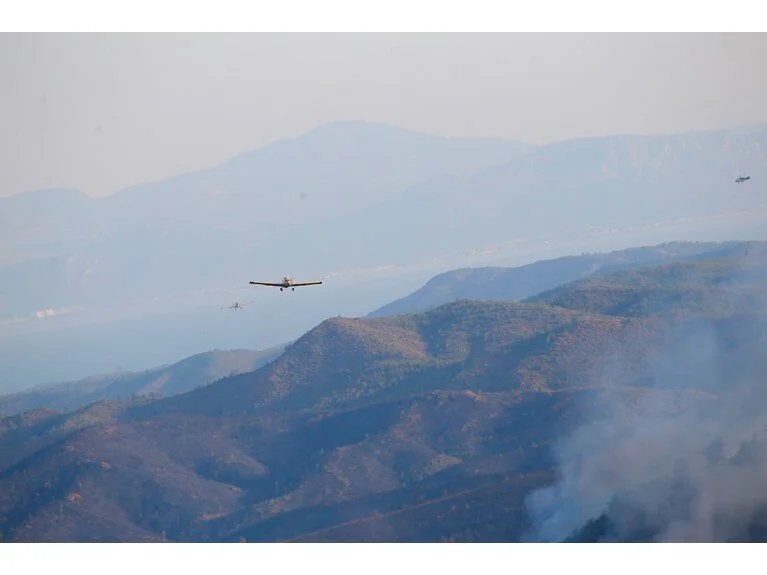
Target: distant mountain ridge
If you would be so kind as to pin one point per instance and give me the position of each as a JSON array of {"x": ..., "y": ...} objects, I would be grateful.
[
  {"x": 341, "y": 165},
  {"x": 180, "y": 377},
  {"x": 612, "y": 181},
  {"x": 345, "y": 184},
  {"x": 193, "y": 231},
  {"x": 518, "y": 283}
]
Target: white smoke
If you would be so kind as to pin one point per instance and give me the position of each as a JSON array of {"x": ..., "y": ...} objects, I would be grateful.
[{"x": 671, "y": 466}]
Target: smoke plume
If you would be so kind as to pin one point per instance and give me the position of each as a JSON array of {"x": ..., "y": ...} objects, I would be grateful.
[{"x": 681, "y": 458}]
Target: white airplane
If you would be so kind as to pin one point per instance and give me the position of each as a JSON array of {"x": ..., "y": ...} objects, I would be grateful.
[
  {"x": 287, "y": 283},
  {"x": 238, "y": 305}
]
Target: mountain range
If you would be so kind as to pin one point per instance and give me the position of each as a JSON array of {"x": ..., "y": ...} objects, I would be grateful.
[
  {"x": 371, "y": 209},
  {"x": 581, "y": 411},
  {"x": 182, "y": 376},
  {"x": 607, "y": 182},
  {"x": 350, "y": 195},
  {"x": 518, "y": 283},
  {"x": 195, "y": 230},
  {"x": 489, "y": 284}
]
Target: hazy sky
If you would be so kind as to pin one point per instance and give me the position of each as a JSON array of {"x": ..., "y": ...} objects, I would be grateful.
[{"x": 104, "y": 111}]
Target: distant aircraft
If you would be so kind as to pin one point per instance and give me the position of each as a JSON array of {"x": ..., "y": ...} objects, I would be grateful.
[
  {"x": 238, "y": 305},
  {"x": 287, "y": 283},
  {"x": 742, "y": 179}
]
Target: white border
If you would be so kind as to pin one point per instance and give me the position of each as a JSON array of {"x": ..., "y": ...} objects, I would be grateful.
[
  {"x": 391, "y": 15},
  {"x": 395, "y": 16},
  {"x": 371, "y": 559}
]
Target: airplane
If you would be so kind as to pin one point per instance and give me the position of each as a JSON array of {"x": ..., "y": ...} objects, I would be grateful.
[
  {"x": 238, "y": 305},
  {"x": 287, "y": 283},
  {"x": 742, "y": 179}
]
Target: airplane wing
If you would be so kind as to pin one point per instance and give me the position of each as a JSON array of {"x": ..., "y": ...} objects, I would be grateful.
[
  {"x": 305, "y": 284},
  {"x": 266, "y": 284}
]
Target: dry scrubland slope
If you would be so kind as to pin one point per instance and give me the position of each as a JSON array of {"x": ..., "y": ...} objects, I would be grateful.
[{"x": 459, "y": 423}]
